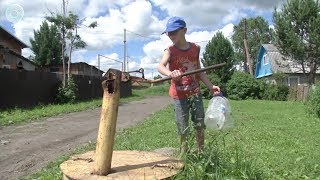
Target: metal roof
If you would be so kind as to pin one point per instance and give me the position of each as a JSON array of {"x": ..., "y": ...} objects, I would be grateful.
[
  {"x": 23, "y": 45},
  {"x": 280, "y": 63}
]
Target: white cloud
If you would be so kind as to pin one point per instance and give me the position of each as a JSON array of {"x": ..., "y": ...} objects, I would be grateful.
[
  {"x": 79, "y": 55},
  {"x": 154, "y": 50},
  {"x": 210, "y": 14},
  {"x": 27, "y": 52},
  {"x": 24, "y": 29},
  {"x": 110, "y": 29},
  {"x": 140, "y": 18}
]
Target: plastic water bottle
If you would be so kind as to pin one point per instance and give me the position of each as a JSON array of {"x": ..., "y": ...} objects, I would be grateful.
[{"x": 218, "y": 113}]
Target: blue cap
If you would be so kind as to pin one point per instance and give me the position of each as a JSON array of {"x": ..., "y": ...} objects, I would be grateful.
[{"x": 175, "y": 23}]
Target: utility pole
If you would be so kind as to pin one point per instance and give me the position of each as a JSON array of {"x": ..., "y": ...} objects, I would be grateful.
[
  {"x": 246, "y": 49},
  {"x": 99, "y": 61},
  {"x": 63, "y": 44},
  {"x": 124, "y": 51},
  {"x": 128, "y": 63}
]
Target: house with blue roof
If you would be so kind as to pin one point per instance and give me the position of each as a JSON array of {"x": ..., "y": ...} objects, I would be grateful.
[{"x": 270, "y": 61}]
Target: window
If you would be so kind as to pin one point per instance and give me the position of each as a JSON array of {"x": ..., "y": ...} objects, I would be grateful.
[
  {"x": 293, "y": 80},
  {"x": 265, "y": 60}
]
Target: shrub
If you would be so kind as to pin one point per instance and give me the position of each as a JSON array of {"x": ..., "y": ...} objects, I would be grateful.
[
  {"x": 243, "y": 86},
  {"x": 313, "y": 102},
  {"x": 67, "y": 94},
  {"x": 215, "y": 79},
  {"x": 275, "y": 92}
]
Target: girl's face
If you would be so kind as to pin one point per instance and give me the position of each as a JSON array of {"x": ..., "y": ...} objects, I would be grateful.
[{"x": 176, "y": 35}]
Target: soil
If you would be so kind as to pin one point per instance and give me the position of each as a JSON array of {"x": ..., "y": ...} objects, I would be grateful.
[{"x": 27, "y": 148}]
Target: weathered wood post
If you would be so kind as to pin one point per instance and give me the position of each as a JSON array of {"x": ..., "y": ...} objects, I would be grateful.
[
  {"x": 108, "y": 121},
  {"x": 125, "y": 164}
]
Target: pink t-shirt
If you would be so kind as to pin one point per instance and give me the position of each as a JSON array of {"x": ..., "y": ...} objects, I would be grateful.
[{"x": 184, "y": 60}]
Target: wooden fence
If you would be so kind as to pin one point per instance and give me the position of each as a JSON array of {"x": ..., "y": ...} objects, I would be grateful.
[
  {"x": 299, "y": 92},
  {"x": 28, "y": 88}
]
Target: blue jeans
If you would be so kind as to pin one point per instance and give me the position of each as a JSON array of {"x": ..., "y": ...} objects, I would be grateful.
[{"x": 193, "y": 106}]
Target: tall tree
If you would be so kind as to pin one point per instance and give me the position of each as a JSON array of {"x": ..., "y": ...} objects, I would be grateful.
[
  {"x": 256, "y": 31},
  {"x": 219, "y": 50},
  {"x": 297, "y": 27},
  {"x": 46, "y": 45},
  {"x": 59, "y": 21},
  {"x": 75, "y": 41},
  {"x": 69, "y": 27}
]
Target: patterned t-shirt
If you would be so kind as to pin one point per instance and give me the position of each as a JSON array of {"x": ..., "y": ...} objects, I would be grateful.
[{"x": 184, "y": 60}]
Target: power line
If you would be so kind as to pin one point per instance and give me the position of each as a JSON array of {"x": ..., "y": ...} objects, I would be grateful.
[
  {"x": 142, "y": 35},
  {"x": 110, "y": 58}
]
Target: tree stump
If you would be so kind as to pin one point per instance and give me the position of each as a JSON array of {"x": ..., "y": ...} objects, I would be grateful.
[{"x": 125, "y": 165}]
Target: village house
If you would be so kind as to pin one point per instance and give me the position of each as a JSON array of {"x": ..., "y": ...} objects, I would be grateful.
[
  {"x": 78, "y": 68},
  {"x": 270, "y": 61},
  {"x": 10, "y": 52}
]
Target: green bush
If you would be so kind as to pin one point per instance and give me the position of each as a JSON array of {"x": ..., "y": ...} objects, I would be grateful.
[
  {"x": 243, "y": 86},
  {"x": 313, "y": 102},
  {"x": 274, "y": 92},
  {"x": 67, "y": 94},
  {"x": 215, "y": 80}
]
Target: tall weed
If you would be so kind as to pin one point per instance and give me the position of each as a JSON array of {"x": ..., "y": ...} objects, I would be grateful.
[{"x": 218, "y": 161}]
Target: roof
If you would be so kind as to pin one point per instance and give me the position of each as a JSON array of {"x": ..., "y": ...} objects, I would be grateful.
[
  {"x": 277, "y": 60},
  {"x": 76, "y": 64},
  {"x": 23, "y": 45},
  {"x": 79, "y": 63},
  {"x": 281, "y": 63}
]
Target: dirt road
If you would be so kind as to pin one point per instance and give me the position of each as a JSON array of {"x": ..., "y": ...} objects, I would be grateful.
[{"x": 27, "y": 148}]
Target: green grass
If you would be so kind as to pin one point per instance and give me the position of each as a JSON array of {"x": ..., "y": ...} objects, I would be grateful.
[
  {"x": 270, "y": 140},
  {"x": 21, "y": 115},
  {"x": 280, "y": 136}
]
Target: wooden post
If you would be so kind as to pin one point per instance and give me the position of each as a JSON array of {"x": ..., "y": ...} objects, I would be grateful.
[
  {"x": 108, "y": 121},
  {"x": 246, "y": 49},
  {"x": 190, "y": 72}
]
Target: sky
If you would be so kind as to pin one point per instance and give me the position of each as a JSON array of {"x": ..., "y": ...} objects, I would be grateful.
[{"x": 143, "y": 20}]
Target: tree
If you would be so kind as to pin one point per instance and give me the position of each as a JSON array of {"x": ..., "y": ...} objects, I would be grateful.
[
  {"x": 256, "y": 31},
  {"x": 58, "y": 20},
  {"x": 69, "y": 27},
  {"x": 46, "y": 45},
  {"x": 218, "y": 50},
  {"x": 75, "y": 42},
  {"x": 298, "y": 34}
]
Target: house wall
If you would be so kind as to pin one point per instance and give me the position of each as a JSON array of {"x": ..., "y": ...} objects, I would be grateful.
[
  {"x": 10, "y": 60},
  {"x": 302, "y": 78},
  {"x": 9, "y": 42},
  {"x": 263, "y": 69},
  {"x": 85, "y": 69},
  {"x": 76, "y": 69},
  {"x": 289, "y": 80}
]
